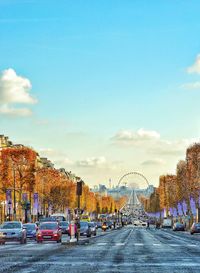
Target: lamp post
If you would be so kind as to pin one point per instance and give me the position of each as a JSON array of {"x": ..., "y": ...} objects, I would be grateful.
[
  {"x": 9, "y": 209},
  {"x": 14, "y": 194}
]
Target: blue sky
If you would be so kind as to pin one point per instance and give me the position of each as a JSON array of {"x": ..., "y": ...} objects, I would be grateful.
[{"x": 99, "y": 69}]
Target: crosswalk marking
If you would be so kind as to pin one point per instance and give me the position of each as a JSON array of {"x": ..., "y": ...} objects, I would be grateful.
[
  {"x": 120, "y": 244},
  {"x": 138, "y": 244},
  {"x": 102, "y": 244}
]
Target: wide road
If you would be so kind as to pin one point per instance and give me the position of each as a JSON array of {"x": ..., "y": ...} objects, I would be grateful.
[{"x": 130, "y": 249}]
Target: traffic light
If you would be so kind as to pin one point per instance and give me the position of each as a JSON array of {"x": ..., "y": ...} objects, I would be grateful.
[{"x": 79, "y": 188}]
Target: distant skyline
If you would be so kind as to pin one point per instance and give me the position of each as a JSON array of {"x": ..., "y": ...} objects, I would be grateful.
[{"x": 102, "y": 88}]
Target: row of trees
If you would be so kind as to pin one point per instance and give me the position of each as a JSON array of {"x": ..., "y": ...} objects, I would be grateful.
[
  {"x": 22, "y": 172},
  {"x": 183, "y": 186}
]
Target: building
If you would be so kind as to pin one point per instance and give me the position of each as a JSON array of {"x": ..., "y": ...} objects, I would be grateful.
[
  {"x": 5, "y": 142},
  {"x": 46, "y": 163}
]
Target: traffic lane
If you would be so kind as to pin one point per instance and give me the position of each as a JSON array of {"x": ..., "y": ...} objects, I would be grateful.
[
  {"x": 72, "y": 259},
  {"x": 13, "y": 254},
  {"x": 183, "y": 234},
  {"x": 126, "y": 250},
  {"x": 156, "y": 252}
]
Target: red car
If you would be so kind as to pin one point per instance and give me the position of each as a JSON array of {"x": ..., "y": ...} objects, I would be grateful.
[{"x": 49, "y": 231}]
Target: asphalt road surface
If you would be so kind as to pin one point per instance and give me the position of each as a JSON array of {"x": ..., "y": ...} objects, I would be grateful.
[{"x": 130, "y": 249}]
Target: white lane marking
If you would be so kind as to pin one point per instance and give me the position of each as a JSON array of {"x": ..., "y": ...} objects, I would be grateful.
[
  {"x": 156, "y": 244},
  {"x": 138, "y": 244},
  {"x": 176, "y": 264}
]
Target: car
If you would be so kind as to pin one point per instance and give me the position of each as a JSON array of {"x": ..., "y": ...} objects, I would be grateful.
[
  {"x": 195, "y": 228},
  {"x": 64, "y": 225},
  {"x": 178, "y": 227},
  {"x": 109, "y": 224},
  {"x": 49, "y": 231},
  {"x": 93, "y": 228},
  {"x": 85, "y": 229},
  {"x": 167, "y": 223},
  {"x": 31, "y": 230},
  {"x": 47, "y": 219},
  {"x": 99, "y": 224},
  {"x": 12, "y": 231}
]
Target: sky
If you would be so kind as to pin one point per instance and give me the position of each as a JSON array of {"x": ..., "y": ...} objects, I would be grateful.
[{"x": 103, "y": 87}]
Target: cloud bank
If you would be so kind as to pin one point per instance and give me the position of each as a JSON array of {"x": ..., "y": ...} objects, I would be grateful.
[{"x": 14, "y": 91}]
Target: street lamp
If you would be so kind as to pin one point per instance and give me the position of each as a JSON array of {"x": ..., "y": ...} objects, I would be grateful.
[{"x": 9, "y": 209}]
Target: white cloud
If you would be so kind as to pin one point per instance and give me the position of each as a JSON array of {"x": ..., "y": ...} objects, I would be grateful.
[
  {"x": 8, "y": 110},
  {"x": 14, "y": 90},
  {"x": 191, "y": 85},
  {"x": 151, "y": 142},
  {"x": 92, "y": 162},
  {"x": 153, "y": 162},
  {"x": 195, "y": 68},
  {"x": 130, "y": 137}
]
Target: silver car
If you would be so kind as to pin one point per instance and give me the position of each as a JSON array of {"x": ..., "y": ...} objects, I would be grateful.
[{"x": 12, "y": 231}]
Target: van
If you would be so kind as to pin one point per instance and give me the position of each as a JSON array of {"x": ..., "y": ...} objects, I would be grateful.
[{"x": 167, "y": 223}]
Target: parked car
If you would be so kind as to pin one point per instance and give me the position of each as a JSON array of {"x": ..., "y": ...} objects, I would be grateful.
[
  {"x": 195, "y": 228},
  {"x": 49, "y": 231},
  {"x": 12, "y": 231},
  {"x": 64, "y": 225},
  {"x": 85, "y": 229},
  {"x": 31, "y": 230},
  {"x": 178, "y": 227},
  {"x": 93, "y": 228}
]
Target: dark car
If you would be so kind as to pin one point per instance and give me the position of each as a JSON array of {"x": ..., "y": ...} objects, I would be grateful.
[
  {"x": 12, "y": 231},
  {"x": 49, "y": 231},
  {"x": 85, "y": 229},
  {"x": 47, "y": 219},
  {"x": 110, "y": 224},
  {"x": 195, "y": 228},
  {"x": 93, "y": 228},
  {"x": 178, "y": 227},
  {"x": 31, "y": 230},
  {"x": 99, "y": 224},
  {"x": 64, "y": 225}
]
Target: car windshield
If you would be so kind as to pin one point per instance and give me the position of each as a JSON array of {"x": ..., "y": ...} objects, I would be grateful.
[
  {"x": 64, "y": 224},
  {"x": 29, "y": 226},
  {"x": 48, "y": 226},
  {"x": 197, "y": 225},
  {"x": 83, "y": 224},
  {"x": 11, "y": 225}
]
